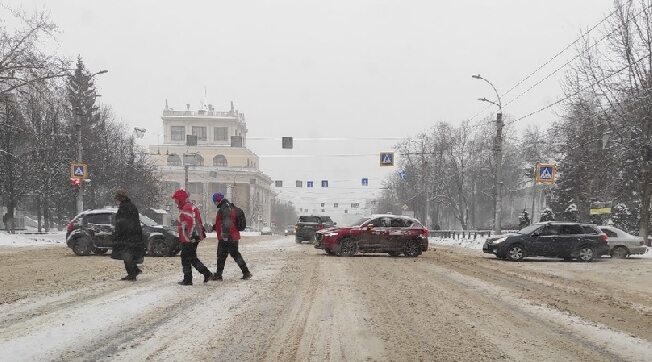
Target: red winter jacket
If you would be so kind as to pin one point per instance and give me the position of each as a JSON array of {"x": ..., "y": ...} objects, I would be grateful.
[
  {"x": 234, "y": 234},
  {"x": 189, "y": 221}
]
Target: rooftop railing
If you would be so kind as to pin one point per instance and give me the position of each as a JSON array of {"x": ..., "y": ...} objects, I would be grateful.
[{"x": 217, "y": 114}]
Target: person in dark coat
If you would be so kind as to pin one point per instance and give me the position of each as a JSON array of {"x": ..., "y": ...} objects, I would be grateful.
[
  {"x": 227, "y": 237},
  {"x": 128, "y": 244}
]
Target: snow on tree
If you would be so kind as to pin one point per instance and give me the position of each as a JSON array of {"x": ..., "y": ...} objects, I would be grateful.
[{"x": 547, "y": 215}]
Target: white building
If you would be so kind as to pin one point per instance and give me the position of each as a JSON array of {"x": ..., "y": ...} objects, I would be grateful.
[{"x": 219, "y": 161}]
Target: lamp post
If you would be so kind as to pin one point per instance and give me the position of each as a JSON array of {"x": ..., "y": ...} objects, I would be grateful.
[
  {"x": 498, "y": 154},
  {"x": 80, "y": 150}
]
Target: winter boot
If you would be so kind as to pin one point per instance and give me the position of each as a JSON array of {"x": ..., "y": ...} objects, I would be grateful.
[
  {"x": 129, "y": 277},
  {"x": 207, "y": 276},
  {"x": 216, "y": 277},
  {"x": 185, "y": 282},
  {"x": 246, "y": 275}
]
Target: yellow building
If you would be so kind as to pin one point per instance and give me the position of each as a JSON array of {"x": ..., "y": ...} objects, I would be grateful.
[{"x": 209, "y": 148}]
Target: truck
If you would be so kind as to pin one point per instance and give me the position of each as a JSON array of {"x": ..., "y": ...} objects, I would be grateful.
[{"x": 307, "y": 226}]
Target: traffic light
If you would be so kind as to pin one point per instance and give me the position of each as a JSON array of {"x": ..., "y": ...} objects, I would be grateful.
[{"x": 75, "y": 182}]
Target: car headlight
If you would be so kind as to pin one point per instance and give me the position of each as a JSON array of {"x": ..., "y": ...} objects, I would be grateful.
[{"x": 498, "y": 241}]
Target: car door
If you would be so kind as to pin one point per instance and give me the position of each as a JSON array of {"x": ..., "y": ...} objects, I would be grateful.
[
  {"x": 569, "y": 239},
  {"x": 396, "y": 235},
  {"x": 100, "y": 225},
  {"x": 543, "y": 243},
  {"x": 374, "y": 234}
]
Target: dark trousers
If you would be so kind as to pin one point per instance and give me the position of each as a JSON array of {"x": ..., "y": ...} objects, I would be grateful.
[
  {"x": 131, "y": 262},
  {"x": 189, "y": 259},
  {"x": 226, "y": 248}
]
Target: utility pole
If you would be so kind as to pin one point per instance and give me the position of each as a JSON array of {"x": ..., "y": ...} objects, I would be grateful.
[
  {"x": 80, "y": 151},
  {"x": 498, "y": 156},
  {"x": 185, "y": 184}
]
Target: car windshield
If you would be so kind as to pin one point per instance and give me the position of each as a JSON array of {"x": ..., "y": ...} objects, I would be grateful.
[
  {"x": 147, "y": 221},
  {"x": 529, "y": 229}
]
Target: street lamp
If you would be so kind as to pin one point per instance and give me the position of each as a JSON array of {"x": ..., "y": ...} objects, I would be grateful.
[
  {"x": 498, "y": 153},
  {"x": 80, "y": 192}
]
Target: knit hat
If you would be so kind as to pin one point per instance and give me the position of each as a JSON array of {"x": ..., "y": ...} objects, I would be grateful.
[
  {"x": 180, "y": 195},
  {"x": 217, "y": 197},
  {"x": 121, "y": 195}
]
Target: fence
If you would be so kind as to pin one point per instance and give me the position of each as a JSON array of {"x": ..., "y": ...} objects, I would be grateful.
[{"x": 463, "y": 234}]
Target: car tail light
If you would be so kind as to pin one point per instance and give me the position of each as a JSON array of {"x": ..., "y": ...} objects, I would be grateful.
[{"x": 603, "y": 238}]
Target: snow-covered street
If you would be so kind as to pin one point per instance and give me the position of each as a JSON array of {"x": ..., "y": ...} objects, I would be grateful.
[{"x": 449, "y": 304}]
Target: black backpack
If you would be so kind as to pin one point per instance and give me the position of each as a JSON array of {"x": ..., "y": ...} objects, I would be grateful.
[{"x": 240, "y": 218}]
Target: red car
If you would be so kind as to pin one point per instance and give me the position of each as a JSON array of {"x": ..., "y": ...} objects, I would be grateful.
[{"x": 390, "y": 234}]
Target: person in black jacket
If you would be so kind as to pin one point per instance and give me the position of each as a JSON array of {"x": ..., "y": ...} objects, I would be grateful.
[{"x": 128, "y": 244}]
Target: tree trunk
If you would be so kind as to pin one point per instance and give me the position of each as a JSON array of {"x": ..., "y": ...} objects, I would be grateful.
[
  {"x": 645, "y": 208},
  {"x": 38, "y": 212}
]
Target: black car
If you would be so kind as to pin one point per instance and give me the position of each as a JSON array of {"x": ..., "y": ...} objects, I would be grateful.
[
  {"x": 91, "y": 232},
  {"x": 566, "y": 240},
  {"x": 307, "y": 226}
]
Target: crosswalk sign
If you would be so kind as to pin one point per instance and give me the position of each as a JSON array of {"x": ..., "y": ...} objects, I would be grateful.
[
  {"x": 401, "y": 174},
  {"x": 79, "y": 170},
  {"x": 324, "y": 183},
  {"x": 545, "y": 173},
  {"x": 365, "y": 182},
  {"x": 309, "y": 184},
  {"x": 387, "y": 158}
]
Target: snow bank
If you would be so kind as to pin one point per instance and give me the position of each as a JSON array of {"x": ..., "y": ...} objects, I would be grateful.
[
  {"x": 464, "y": 243},
  {"x": 21, "y": 240},
  {"x": 250, "y": 233}
]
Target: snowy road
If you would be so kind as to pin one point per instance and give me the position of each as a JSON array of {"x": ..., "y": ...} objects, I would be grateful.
[{"x": 449, "y": 304}]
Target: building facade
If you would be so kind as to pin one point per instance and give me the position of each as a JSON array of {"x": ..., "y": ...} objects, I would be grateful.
[{"x": 205, "y": 151}]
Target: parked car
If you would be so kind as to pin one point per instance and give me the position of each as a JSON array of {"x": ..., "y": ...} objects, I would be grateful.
[
  {"x": 289, "y": 230},
  {"x": 91, "y": 232},
  {"x": 565, "y": 240},
  {"x": 622, "y": 244},
  {"x": 307, "y": 226},
  {"x": 266, "y": 230},
  {"x": 391, "y": 234}
]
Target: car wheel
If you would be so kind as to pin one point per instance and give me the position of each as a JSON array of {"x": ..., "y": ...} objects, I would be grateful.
[
  {"x": 515, "y": 252},
  {"x": 82, "y": 246},
  {"x": 298, "y": 239},
  {"x": 412, "y": 249},
  {"x": 100, "y": 251},
  {"x": 586, "y": 254},
  {"x": 158, "y": 247},
  {"x": 620, "y": 252},
  {"x": 394, "y": 253},
  {"x": 329, "y": 252},
  {"x": 348, "y": 247}
]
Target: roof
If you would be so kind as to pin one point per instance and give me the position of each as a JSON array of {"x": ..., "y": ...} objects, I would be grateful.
[{"x": 392, "y": 215}]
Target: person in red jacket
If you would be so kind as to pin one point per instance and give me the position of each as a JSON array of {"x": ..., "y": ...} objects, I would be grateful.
[
  {"x": 227, "y": 236},
  {"x": 191, "y": 232}
]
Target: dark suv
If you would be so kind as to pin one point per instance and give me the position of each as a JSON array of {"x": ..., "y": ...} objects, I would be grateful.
[
  {"x": 307, "y": 226},
  {"x": 91, "y": 232},
  {"x": 566, "y": 240},
  {"x": 390, "y": 234}
]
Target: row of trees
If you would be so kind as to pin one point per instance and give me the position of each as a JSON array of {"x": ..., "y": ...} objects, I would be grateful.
[
  {"x": 43, "y": 103},
  {"x": 603, "y": 144}
]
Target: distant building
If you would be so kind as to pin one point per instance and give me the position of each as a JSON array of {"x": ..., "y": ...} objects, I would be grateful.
[{"x": 212, "y": 145}]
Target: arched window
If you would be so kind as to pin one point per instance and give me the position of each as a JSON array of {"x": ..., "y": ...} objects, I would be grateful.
[
  {"x": 174, "y": 160},
  {"x": 220, "y": 160},
  {"x": 200, "y": 160}
]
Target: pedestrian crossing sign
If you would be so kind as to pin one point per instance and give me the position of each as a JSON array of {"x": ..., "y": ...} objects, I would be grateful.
[
  {"x": 310, "y": 184},
  {"x": 546, "y": 173},
  {"x": 79, "y": 170},
  {"x": 387, "y": 158}
]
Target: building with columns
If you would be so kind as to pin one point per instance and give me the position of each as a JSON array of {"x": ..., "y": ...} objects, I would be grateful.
[{"x": 209, "y": 147}]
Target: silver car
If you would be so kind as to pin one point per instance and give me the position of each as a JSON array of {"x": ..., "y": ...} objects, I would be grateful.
[{"x": 622, "y": 244}]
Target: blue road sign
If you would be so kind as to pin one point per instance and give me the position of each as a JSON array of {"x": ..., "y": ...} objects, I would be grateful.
[
  {"x": 545, "y": 173},
  {"x": 365, "y": 182},
  {"x": 324, "y": 183},
  {"x": 401, "y": 174},
  {"x": 387, "y": 158},
  {"x": 78, "y": 170},
  {"x": 310, "y": 184}
]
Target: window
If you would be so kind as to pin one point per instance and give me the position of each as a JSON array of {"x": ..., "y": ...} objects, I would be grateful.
[
  {"x": 103, "y": 219},
  {"x": 220, "y": 160},
  {"x": 200, "y": 132},
  {"x": 220, "y": 134},
  {"x": 610, "y": 233},
  {"x": 217, "y": 187},
  {"x": 178, "y": 133},
  {"x": 196, "y": 188},
  {"x": 381, "y": 222},
  {"x": 174, "y": 160},
  {"x": 199, "y": 160},
  {"x": 571, "y": 230},
  {"x": 550, "y": 230}
]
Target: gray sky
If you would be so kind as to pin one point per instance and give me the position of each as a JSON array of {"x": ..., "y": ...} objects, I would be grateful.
[{"x": 337, "y": 68}]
